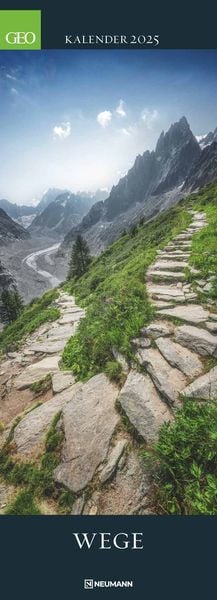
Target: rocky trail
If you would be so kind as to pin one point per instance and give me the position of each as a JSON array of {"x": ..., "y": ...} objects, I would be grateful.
[{"x": 101, "y": 459}]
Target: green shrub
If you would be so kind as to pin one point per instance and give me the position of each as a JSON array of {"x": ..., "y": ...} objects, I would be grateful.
[
  {"x": 114, "y": 371},
  {"x": 184, "y": 461}
]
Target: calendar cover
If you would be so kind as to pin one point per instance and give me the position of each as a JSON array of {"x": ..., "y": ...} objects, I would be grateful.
[{"x": 108, "y": 290}]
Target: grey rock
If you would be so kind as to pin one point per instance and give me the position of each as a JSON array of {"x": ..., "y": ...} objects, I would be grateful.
[
  {"x": 141, "y": 342},
  {"x": 197, "y": 339},
  {"x": 121, "y": 359},
  {"x": 185, "y": 360},
  {"x": 37, "y": 371},
  {"x": 211, "y": 326},
  {"x": 61, "y": 381},
  {"x": 158, "y": 329},
  {"x": 204, "y": 388},
  {"x": 49, "y": 347},
  {"x": 113, "y": 460},
  {"x": 193, "y": 313},
  {"x": 169, "y": 265},
  {"x": 78, "y": 505},
  {"x": 143, "y": 405},
  {"x": 89, "y": 421},
  {"x": 166, "y": 275},
  {"x": 31, "y": 430},
  {"x": 168, "y": 380}
]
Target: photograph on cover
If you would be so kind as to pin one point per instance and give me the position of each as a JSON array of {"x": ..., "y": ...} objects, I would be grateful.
[{"x": 108, "y": 282}]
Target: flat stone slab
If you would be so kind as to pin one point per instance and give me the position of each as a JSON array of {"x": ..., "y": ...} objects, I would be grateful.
[
  {"x": 143, "y": 405},
  {"x": 171, "y": 275},
  {"x": 161, "y": 304},
  {"x": 168, "y": 380},
  {"x": 185, "y": 360},
  {"x": 50, "y": 347},
  {"x": 89, "y": 421},
  {"x": 37, "y": 371},
  {"x": 61, "y": 381},
  {"x": 70, "y": 318},
  {"x": 183, "y": 236},
  {"x": 193, "y": 313},
  {"x": 204, "y": 388},
  {"x": 197, "y": 339},
  {"x": 60, "y": 332},
  {"x": 167, "y": 265},
  {"x": 158, "y": 329},
  {"x": 31, "y": 431},
  {"x": 109, "y": 469},
  {"x": 165, "y": 290}
]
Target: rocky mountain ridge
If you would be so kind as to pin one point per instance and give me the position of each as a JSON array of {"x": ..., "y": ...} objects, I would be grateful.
[
  {"x": 157, "y": 180},
  {"x": 10, "y": 230},
  {"x": 60, "y": 215}
]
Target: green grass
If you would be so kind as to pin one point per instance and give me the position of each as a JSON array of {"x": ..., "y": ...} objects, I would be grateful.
[
  {"x": 23, "y": 504},
  {"x": 114, "y": 295},
  {"x": 184, "y": 462},
  {"x": 39, "y": 311},
  {"x": 36, "y": 479}
]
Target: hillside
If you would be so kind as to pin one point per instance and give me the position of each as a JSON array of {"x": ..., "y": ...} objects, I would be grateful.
[
  {"x": 61, "y": 215},
  {"x": 157, "y": 180},
  {"x": 140, "y": 347},
  {"x": 9, "y": 230}
]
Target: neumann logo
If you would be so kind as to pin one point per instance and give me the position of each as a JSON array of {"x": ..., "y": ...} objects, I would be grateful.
[
  {"x": 20, "y": 29},
  {"x": 90, "y": 584}
]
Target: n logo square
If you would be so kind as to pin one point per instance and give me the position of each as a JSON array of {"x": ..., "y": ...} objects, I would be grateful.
[{"x": 88, "y": 584}]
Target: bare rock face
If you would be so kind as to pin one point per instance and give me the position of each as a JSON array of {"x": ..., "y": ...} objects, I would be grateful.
[
  {"x": 143, "y": 405},
  {"x": 185, "y": 360},
  {"x": 30, "y": 432},
  {"x": 197, "y": 339},
  {"x": 168, "y": 380},
  {"x": 89, "y": 421},
  {"x": 204, "y": 388}
]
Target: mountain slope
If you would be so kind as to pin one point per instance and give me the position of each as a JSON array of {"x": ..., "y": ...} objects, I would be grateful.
[
  {"x": 9, "y": 230},
  {"x": 152, "y": 184},
  {"x": 15, "y": 211},
  {"x": 204, "y": 169},
  {"x": 49, "y": 196},
  {"x": 60, "y": 215}
]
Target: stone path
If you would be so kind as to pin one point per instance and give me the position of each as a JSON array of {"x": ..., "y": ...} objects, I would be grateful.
[{"x": 173, "y": 355}]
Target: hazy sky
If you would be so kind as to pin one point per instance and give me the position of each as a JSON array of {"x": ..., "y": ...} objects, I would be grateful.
[{"x": 77, "y": 119}]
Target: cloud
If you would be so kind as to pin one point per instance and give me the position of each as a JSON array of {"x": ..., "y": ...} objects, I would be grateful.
[
  {"x": 9, "y": 76},
  {"x": 14, "y": 92},
  {"x": 149, "y": 117},
  {"x": 104, "y": 118},
  {"x": 120, "y": 110},
  {"x": 124, "y": 131},
  {"x": 62, "y": 131}
]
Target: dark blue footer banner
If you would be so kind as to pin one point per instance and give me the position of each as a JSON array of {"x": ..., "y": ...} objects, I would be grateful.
[{"x": 78, "y": 557}]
